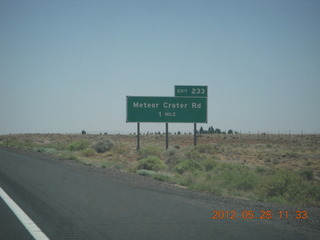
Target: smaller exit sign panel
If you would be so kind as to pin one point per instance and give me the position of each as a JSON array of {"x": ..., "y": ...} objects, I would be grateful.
[
  {"x": 191, "y": 91},
  {"x": 167, "y": 109}
]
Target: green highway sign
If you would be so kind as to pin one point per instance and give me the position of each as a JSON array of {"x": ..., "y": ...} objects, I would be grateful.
[
  {"x": 167, "y": 109},
  {"x": 191, "y": 91}
]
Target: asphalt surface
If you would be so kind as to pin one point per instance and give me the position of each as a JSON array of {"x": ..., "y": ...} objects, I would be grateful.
[{"x": 68, "y": 200}]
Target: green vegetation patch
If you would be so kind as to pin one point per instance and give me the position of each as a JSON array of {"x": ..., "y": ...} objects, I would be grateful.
[
  {"x": 151, "y": 150},
  {"x": 121, "y": 148},
  {"x": 206, "y": 148},
  {"x": 45, "y": 150},
  {"x": 158, "y": 176},
  {"x": 78, "y": 145},
  {"x": 197, "y": 167},
  {"x": 195, "y": 155},
  {"x": 102, "y": 145},
  {"x": 68, "y": 155},
  {"x": 289, "y": 187},
  {"x": 88, "y": 152},
  {"x": 187, "y": 165},
  {"x": 173, "y": 156},
  {"x": 209, "y": 164},
  {"x": 151, "y": 163}
]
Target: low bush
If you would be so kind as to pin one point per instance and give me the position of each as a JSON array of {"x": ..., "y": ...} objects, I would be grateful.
[
  {"x": 307, "y": 174},
  {"x": 290, "y": 187},
  {"x": 209, "y": 164},
  {"x": 237, "y": 177},
  {"x": 69, "y": 156},
  {"x": 145, "y": 172},
  {"x": 45, "y": 150},
  {"x": 187, "y": 165},
  {"x": 158, "y": 176},
  {"x": 278, "y": 184},
  {"x": 151, "y": 150},
  {"x": 173, "y": 156},
  {"x": 151, "y": 163},
  {"x": 193, "y": 154},
  {"x": 209, "y": 149},
  {"x": 102, "y": 145},
  {"x": 121, "y": 148},
  {"x": 78, "y": 145},
  {"x": 88, "y": 152}
]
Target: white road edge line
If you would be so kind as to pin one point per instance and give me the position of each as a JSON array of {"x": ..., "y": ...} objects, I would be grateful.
[{"x": 34, "y": 230}]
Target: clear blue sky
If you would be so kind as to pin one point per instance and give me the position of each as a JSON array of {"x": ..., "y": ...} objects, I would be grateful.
[{"x": 68, "y": 65}]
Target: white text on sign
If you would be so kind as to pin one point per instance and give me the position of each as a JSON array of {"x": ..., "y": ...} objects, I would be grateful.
[{"x": 165, "y": 105}]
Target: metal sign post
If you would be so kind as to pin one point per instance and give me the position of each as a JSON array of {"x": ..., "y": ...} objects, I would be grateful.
[
  {"x": 167, "y": 136},
  {"x": 195, "y": 135},
  {"x": 138, "y": 137}
]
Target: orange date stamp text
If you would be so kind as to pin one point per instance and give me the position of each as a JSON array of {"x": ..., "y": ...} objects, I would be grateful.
[{"x": 264, "y": 214}]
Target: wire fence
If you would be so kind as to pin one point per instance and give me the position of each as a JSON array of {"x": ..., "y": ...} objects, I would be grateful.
[
  {"x": 256, "y": 136},
  {"x": 267, "y": 136}
]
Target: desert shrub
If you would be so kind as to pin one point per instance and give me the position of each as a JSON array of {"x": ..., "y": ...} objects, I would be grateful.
[
  {"x": 203, "y": 182},
  {"x": 292, "y": 154},
  {"x": 209, "y": 164},
  {"x": 78, "y": 145},
  {"x": 264, "y": 171},
  {"x": 283, "y": 184},
  {"x": 307, "y": 174},
  {"x": 151, "y": 163},
  {"x": 238, "y": 177},
  {"x": 187, "y": 165},
  {"x": 187, "y": 179},
  {"x": 222, "y": 166},
  {"x": 121, "y": 148},
  {"x": 145, "y": 172},
  {"x": 158, "y": 176},
  {"x": 247, "y": 180},
  {"x": 210, "y": 149},
  {"x": 275, "y": 161},
  {"x": 45, "y": 150},
  {"x": 151, "y": 150},
  {"x": 163, "y": 177},
  {"x": 69, "y": 156},
  {"x": 103, "y": 145},
  {"x": 193, "y": 154},
  {"x": 173, "y": 156},
  {"x": 313, "y": 193},
  {"x": 60, "y": 146},
  {"x": 88, "y": 152}
]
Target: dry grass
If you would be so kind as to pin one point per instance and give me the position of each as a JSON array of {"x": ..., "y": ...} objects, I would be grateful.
[
  {"x": 193, "y": 167},
  {"x": 297, "y": 154},
  {"x": 281, "y": 154}
]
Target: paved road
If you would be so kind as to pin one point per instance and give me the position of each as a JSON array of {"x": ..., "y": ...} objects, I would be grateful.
[{"x": 68, "y": 200}]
